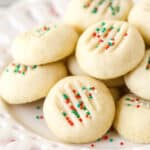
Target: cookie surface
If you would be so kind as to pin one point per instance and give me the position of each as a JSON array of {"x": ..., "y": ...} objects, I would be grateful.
[
  {"x": 138, "y": 81},
  {"x": 75, "y": 69},
  {"x": 44, "y": 45},
  {"x": 23, "y": 84},
  {"x": 133, "y": 119},
  {"x": 79, "y": 109},
  {"x": 139, "y": 17},
  {"x": 110, "y": 49},
  {"x": 96, "y": 10}
]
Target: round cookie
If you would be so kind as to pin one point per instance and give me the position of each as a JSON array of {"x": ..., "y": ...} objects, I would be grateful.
[
  {"x": 110, "y": 49},
  {"x": 138, "y": 81},
  {"x": 22, "y": 84},
  {"x": 45, "y": 44},
  {"x": 75, "y": 69},
  {"x": 133, "y": 119},
  {"x": 139, "y": 16},
  {"x": 83, "y": 13},
  {"x": 79, "y": 109}
]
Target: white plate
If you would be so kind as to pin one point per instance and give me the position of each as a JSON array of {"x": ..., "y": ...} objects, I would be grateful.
[{"x": 22, "y": 127}]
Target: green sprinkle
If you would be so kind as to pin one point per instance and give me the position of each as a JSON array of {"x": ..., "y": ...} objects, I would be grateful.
[
  {"x": 97, "y": 29},
  {"x": 37, "y": 117},
  {"x": 78, "y": 105},
  {"x": 128, "y": 104},
  {"x": 34, "y": 67},
  {"x": 90, "y": 96},
  {"x": 83, "y": 88},
  {"x": 64, "y": 114},
  {"x": 103, "y": 23},
  {"x": 110, "y": 43},
  {"x": 88, "y": 113},
  {"x": 76, "y": 113},
  {"x": 103, "y": 29},
  {"x": 23, "y": 73},
  {"x": 65, "y": 96},
  {"x": 94, "y": 11},
  {"x": 99, "y": 139},
  {"x": 84, "y": 108},
  {"x": 118, "y": 30},
  {"x": 111, "y": 139},
  {"x": 127, "y": 99},
  {"x": 111, "y": 27}
]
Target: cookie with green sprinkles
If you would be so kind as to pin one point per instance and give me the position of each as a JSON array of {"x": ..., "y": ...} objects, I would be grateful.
[
  {"x": 95, "y": 10},
  {"x": 105, "y": 49},
  {"x": 44, "y": 44},
  {"x": 23, "y": 84},
  {"x": 133, "y": 119},
  {"x": 83, "y": 106}
]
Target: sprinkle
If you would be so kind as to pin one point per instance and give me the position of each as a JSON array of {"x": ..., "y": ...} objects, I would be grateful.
[
  {"x": 105, "y": 137},
  {"x": 97, "y": 29},
  {"x": 111, "y": 140},
  {"x": 125, "y": 34},
  {"x": 103, "y": 23},
  {"x": 65, "y": 96},
  {"x": 92, "y": 145},
  {"x": 64, "y": 114},
  {"x": 94, "y": 11},
  {"x": 118, "y": 30},
  {"x": 121, "y": 143},
  {"x": 19, "y": 68},
  {"x": 94, "y": 34},
  {"x": 99, "y": 139}
]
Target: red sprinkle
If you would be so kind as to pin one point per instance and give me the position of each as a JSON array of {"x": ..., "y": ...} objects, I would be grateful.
[
  {"x": 92, "y": 145},
  {"x": 121, "y": 143},
  {"x": 125, "y": 34},
  {"x": 107, "y": 47},
  {"x": 72, "y": 107},
  {"x": 137, "y": 106},
  {"x": 100, "y": 41},
  {"x": 78, "y": 96},
  {"x": 98, "y": 36},
  {"x": 74, "y": 91},
  {"x": 45, "y": 28},
  {"x": 80, "y": 119},
  {"x": 105, "y": 137},
  {"x": 41, "y": 117},
  {"x": 67, "y": 101},
  {"x": 94, "y": 34}
]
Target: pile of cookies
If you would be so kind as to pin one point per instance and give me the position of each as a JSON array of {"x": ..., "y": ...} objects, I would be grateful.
[{"x": 108, "y": 59}]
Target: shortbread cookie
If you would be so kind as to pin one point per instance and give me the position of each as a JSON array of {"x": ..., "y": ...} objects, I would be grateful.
[
  {"x": 23, "y": 84},
  {"x": 82, "y": 106},
  {"x": 139, "y": 16},
  {"x": 83, "y": 13},
  {"x": 75, "y": 69},
  {"x": 110, "y": 49},
  {"x": 133, "y": 119},
  {"x": 138, "y": 81},
  {"x": 45, "y": 44}
]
